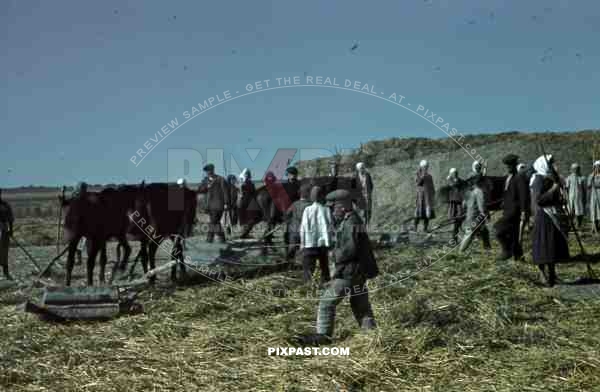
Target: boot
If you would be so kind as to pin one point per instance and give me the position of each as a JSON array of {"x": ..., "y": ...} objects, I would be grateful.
[
  {"x": 6, "y": 273},
  {"x": 314, "y": 340},
  {"x": 368, "y": 323}
]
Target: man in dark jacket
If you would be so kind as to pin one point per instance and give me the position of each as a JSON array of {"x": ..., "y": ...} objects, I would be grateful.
[
  {"x": 233, "y": 196},
  {"x": 217, "y": 201},
  {"x": 354, "y": 264},
  {"x": 292, "y": 188},
  {"x": 6, "y": 230},
  {"x": 516, "y": 205},
  {"x": 294, "y": 219}
]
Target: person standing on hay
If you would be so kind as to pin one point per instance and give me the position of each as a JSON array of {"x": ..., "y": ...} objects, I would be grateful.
[
  {"x": 354, "y": 265},
  {"x": 217, "y": 202},
  {"x": 575, "y": 185},
  {"x": 516, "y": 205},
  {"x": 366, "y": 187},
  {"x": 6, "y": 231},
  {"x": 292, "y": 188},
  {"x": 425, "y": 196},
  {"x": 455, "y": 202},
  {"x": 594, "y": 189},
  {"x": 316, "y": 229},
  {"x": 294, "y": 220},
  {"x": 245, "y": 196},
  {"x": 550, "y": 242},
  {"x": 476, "y": 215}
]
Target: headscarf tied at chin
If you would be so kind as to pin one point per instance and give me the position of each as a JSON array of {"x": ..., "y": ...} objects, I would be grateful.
[
  {"x": 452, "y": 173},
  {"x": 541, "y": 167}
]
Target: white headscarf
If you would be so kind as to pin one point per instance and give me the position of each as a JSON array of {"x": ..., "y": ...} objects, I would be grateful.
[
  {"x": 597, "y": 163},
  {"x": 520, "y": 167},
  {"x": 180, "y": 181},
  {"x": 574, "y": 166},
  {"x": 451, "y": 172},
  {"x": 424, "y": 164},
  {"x": 360, "y": 166},
  {"x": 245, "y": 175},
  {"x": 476, "y": 167},
  {"x": 541, "y": 167}
]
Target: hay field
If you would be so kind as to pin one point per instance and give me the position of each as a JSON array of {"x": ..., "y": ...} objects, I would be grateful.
[{"x": 465, "y": 324}]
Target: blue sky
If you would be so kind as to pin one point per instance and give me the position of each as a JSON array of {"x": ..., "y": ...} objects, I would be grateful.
[{"x": 87, "y": 83}]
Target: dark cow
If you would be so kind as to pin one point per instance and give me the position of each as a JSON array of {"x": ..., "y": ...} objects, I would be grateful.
[
  {"x": 98, "y": 216},
  {"x": 163, "y": 211},
  {"x": 269, "y": 202}
]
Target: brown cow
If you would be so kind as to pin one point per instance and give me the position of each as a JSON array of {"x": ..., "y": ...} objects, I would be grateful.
[
  {"x": 163, "y": 211},
  {"x": 98, "y": 216}
]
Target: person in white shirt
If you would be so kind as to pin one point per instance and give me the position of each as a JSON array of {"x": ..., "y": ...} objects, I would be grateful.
[{"x": 316, "y": 235}]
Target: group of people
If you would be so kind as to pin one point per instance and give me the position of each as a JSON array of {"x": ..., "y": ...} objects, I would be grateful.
[{"x": 553, "y": 201}]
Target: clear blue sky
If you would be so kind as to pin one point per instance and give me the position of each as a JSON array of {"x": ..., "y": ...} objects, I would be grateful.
[{"x": 87, "y": 83}]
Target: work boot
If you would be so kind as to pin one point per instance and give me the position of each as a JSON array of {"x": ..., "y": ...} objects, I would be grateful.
[
  {"x": 314, "y": 340},
  {"x": 6, "y": 273},
  {"x": 368, "y": 323}
]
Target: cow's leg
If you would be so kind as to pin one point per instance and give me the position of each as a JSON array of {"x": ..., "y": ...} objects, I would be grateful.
[
  {"x": 143, "y": 255},
  {"x": 178, "y": 253},
  {"x": 152, "y": 248},
  {"x": 103, "y": 259},
  {"x": 93, "y": 246},
  {"x": 71, "y": 260},
  {"x": 127, "y": 253}
]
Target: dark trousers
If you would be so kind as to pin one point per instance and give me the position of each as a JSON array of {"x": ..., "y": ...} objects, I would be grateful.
[
  {"x": 425, "y": 223},
  {"x": 507, "y": 234},
  {"x": 335, "y": 291},
  {"x": 309, "y": 260},
  {"x": 4, "y": 244},
  {"x": 292, "y": 241},
  {"x": 214, "y": 226}
]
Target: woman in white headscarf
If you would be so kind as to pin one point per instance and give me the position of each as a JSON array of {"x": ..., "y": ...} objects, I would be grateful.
[
  {"x": 550, "y": 243},
  {"x": 575, "y": 185},
  {"x": 366, "y": 187},
  {"x": 456, "y": 211},
  {"x": 594, "y": 189},
  {"x": 425, "y": 196}
]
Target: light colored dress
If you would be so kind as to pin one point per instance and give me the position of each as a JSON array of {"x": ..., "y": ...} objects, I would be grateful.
[
  {"x": 594, "y": 188},
  {"x": 576, "y": 186}
]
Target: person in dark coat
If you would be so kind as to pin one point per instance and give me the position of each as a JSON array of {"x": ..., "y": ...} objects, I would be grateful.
[
  {"x": 292, "y": 188},
  {"x": 425, "y": 196},
  {"x": 6, "y": 230},
  {"x": 354, "y": 264},
  {"x": 246, "y": 215},
  {"x": 456, "y": 211},
  {"x": 217, "y": 201},
  {"x": 516, "y": 204},
  {"x": 294, "y": 219},
  {"x": 233, "y": 196},
  {"x": 550, "y": 241}
]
